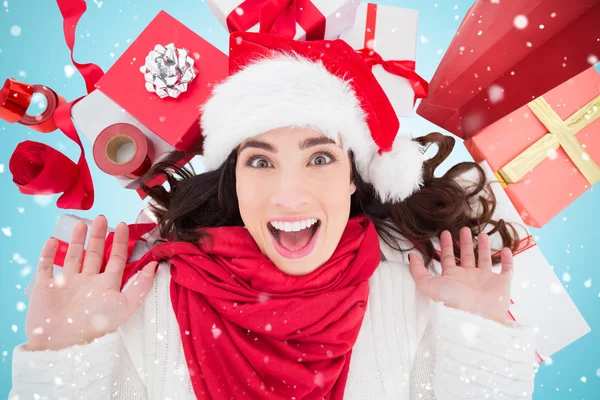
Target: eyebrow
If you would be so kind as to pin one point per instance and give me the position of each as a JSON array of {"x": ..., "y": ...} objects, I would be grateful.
[{"x": 310, "y": 142}]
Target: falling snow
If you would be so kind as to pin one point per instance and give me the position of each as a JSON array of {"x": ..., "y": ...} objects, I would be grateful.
[
  {"x": 25, "y": 271},
  {"x": 588, "y": 283},
  {"x": 18, "y": 259},
  {"x": 15, "y": 30},
  {"x": 263, "y": 297},
  {"x": 43, "y": 200},
  {"x": 556, "y": 288},
  {"x": 7, "y": 231},
  {"x": 69, "y": 71},
  {"x": 216, "y": 331},
  {"x": 319, "y": 380},
  {"x": 495, "y": 93},
  {"x": 1, "y": 168},
  {"x": 521, "y": 22}
]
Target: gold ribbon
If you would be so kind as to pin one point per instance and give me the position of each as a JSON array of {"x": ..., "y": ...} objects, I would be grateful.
[{"x": 561, "y": 134}]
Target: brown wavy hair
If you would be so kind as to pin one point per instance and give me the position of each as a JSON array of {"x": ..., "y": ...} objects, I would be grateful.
[{"x": 209, "y": 199}]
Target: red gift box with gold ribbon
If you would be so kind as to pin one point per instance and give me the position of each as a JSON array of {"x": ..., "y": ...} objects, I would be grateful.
[
  {"x": 538, "y": 297},
  {"x": 546, "y": 153}
]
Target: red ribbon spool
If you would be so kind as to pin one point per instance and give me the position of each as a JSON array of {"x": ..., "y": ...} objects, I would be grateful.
[
  {"x": 110, "y": 148},
  {"x": 44, "y": 122},
  {"x": 15, "y": 99}
]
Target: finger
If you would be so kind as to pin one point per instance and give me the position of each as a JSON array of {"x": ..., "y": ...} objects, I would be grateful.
[
  {"x": 483, "y": 248},
  {"x": 417, "y": 267},
  {"x": 425, "y": 281},
  {"x": 467, "y": 253},
  {"x": 72, "y": 264},
  {"x": 118, "y": 254},
  {"x": 507, "y": 261},
  {"x": 136, "y": 292},
  {"x": 447, "y": 258},
  {"x": 92, "y": 262},
  {"x": 46, "y": 262}
]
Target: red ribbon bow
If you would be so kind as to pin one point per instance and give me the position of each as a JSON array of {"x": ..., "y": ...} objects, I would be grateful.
[
  {"x": 136, "y": 231},
  {"x": 404, "y": 69},
  {"x": 279, "y": 17}
]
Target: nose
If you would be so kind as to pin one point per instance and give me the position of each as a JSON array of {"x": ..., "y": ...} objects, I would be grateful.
[{"x": 290, "y": 191}]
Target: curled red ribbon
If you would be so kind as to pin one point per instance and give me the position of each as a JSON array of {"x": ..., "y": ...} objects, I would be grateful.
[
  {"x": 279, "y": 17},
  {"x": 136, "y": 231},
  {"x": 404, "y": 69},
  {"x": 38, "y": 168},
  {"x": 34, "y": 168}
]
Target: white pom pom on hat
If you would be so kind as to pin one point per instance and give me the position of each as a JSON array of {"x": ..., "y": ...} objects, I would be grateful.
[{"x": 324, "y": 85}]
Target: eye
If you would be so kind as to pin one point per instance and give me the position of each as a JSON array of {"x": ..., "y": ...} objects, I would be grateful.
[
  {"x": 321, "y": 158},
  {"x": 258, "y": 162}
]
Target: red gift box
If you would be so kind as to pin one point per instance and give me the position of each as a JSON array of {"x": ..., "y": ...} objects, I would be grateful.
[
  {"x": 494, "y": 66},
  {"x": 546, "y": 153},
  {"x": 176, "y": 120}
]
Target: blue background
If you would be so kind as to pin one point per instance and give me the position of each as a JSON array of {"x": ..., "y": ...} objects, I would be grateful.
[{"x": 38, "y": 55}]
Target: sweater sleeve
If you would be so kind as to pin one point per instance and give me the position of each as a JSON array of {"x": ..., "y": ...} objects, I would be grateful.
[
  {"x": 471, "y": 357},
  {"x": 101, "y": 369}
]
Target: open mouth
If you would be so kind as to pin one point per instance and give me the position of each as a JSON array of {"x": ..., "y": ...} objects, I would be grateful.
[{"x": 294, "y": 242}]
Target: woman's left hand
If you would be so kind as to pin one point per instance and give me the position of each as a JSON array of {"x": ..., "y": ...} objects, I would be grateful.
[{"x": 470, "y": 287}]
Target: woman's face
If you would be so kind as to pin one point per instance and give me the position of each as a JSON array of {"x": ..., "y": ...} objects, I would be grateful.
[{"x": 294, "y": 174}]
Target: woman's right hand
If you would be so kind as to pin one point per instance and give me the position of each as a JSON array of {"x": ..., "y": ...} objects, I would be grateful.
[{"x": 83, "y": 304}]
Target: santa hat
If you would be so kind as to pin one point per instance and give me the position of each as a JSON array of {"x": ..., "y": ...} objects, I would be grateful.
[{"x": 324, "y": 85}]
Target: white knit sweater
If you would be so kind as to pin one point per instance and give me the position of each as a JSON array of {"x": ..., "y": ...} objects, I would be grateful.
[{"x": 409, "y": 347}]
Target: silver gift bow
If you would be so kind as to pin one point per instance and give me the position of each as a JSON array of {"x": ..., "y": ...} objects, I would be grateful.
[{"x": 168, "y": 70}]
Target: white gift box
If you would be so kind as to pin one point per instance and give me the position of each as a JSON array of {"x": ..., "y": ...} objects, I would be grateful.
[
  {"x": 339, "y": 15},
  {"x": 395, "y": 39},
  {"x": 538, "y": 297},
  {"x": 67, "y": 222},
  {"x": 90, "y": 122}
]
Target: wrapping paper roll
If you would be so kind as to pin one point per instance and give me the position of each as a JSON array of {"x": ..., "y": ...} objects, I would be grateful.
[
  {"x": 15, "y": 99},
  {"x": 122, "y": 150}
]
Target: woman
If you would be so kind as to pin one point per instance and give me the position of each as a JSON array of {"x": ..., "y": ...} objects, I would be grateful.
[{"x": 298, "y": 284}]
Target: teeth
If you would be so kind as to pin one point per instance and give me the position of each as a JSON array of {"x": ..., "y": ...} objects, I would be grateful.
[{"x": 294, "y": 226}]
